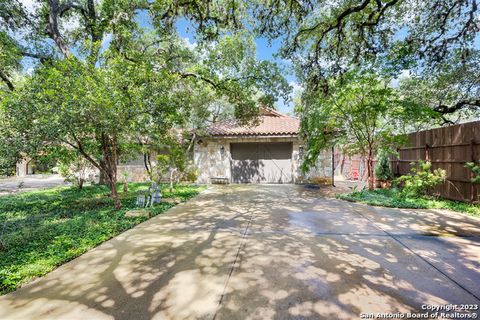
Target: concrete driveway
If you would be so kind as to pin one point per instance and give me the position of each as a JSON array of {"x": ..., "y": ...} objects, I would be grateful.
[
  {"x": 265, "y": 252},
  {"x": 31, "y": 182}
]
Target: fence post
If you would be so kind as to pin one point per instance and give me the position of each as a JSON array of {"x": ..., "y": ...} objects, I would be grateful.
[
  {"x": 333, "y": 165},
  {"x": 427, "y": 152},
  {"x": 472, "y": 158},
  {"x": 397, "y": 163}
]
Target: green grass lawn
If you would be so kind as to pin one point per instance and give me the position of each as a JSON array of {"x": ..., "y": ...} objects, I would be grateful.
[
  {"x": 392, "y": 198},
  {"x": 47, "y": 228}
]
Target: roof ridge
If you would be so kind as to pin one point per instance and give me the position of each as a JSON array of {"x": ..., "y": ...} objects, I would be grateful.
[
  {"x": 273, "y": 112},
  {"x": 273, "y": 125}
]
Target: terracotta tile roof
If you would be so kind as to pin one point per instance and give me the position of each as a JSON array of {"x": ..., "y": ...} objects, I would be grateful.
[{"x": 270, "y": 124}]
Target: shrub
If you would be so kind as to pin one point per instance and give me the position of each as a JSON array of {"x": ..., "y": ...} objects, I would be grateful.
[
  {"x": 476, "y": 171},
  {"x": 191, "y": 173},
  {"x": 382, "y": 168},
  {"x": 77, "y": 171},
  {"x": 174, "y": 163},
  {"x": 422, "y": 181}
]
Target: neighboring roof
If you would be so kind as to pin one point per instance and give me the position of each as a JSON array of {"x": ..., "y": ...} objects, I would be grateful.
[{"x": 271, "y": 123}]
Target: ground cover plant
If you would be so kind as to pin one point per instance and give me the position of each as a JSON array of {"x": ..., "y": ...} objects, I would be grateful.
[
  {"x": 395, "y": 199},
  {"x": 41, "y": 230}
]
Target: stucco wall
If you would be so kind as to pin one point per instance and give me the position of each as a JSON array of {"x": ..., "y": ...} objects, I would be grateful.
[{"x": 22, "y": 169}]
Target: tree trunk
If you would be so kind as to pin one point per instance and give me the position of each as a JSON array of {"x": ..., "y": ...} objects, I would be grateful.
[
  {"x": 103, "y": 178},
  {"x": 371, "y": 184},
  {"x": 171, "y": 180},
  {"x": 114, "y": 194},
  {"x": 148, "y": 164},
  {"x": 109, "y": 166}
]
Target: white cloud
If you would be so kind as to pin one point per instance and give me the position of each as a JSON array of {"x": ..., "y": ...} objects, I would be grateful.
[
  {"x": 189, "y": 43},
  {"x": 297, "y": 88},
  {"x": 30, "y": 5},
  {"x": 403, "y": 75}
]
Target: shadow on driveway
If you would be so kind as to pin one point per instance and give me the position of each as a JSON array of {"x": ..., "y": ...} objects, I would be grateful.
[{"x": 265, "y": 252}]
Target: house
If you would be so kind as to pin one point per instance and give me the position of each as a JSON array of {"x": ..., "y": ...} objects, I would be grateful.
[
  {"x": 27, "y": 166},
  {"x": 270, "y": 151},
  {"x": 267, "y": 152}
]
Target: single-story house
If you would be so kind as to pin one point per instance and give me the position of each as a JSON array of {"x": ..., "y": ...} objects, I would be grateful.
[
  {"x": 28, "y": 166},
  {"x": 268, "y": 152}
]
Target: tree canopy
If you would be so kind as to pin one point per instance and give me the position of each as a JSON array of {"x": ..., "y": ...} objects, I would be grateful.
[
  {"x": 327, "y": 38},
  {"x": 362, "y": 114},
  {"x": 435, "y": 43},
  {"x": 103, "y": 82},
  {"x": 124, "y": 62}
]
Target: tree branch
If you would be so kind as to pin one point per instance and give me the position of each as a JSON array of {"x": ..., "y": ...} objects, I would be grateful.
[
  {"x": 41, "y": 57},
  {"x": 7, "y": 81},
  {"x": 444, "y": 109},
  {"x": 195, "y": 75},
  {"x": 80, "y": 149},
  {"x": 337, "y": 25},
  {"x": 51, "y": 29}
]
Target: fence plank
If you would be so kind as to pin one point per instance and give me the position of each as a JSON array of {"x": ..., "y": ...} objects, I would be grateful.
[{"x": 448, "y": 148}]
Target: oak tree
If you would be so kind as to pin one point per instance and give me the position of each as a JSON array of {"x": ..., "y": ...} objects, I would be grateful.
[{"x": 100, "y": 78}]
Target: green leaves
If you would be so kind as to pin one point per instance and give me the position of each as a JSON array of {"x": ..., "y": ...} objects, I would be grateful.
[
  {"x": 382, "y": 168},
  {"x": 50, "y": 227},
  {"x": 450, "y": 90},
  {"x": 235, "y": 74},
  {"x": 475, "y": 170},
  {"x": 422, "y": 181},
  {"x": 360, "y": 111}
]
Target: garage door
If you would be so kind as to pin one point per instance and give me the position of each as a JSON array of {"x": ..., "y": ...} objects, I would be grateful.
[{"x": 261, "y": 162}]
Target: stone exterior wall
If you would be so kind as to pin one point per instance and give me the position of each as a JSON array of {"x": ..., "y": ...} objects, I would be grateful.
[
  {"x": 135, "y": 173},
  {"x": 22, "y": 168},
  {"x": 135, "y": 167},
  {"x": 212, "y": 158},
  {"x": 26, "y": 166},
  {"x": 322, "y": 172}
]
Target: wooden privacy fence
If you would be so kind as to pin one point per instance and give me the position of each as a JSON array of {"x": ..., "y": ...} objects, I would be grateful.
[{"x": 448, "y": 148}]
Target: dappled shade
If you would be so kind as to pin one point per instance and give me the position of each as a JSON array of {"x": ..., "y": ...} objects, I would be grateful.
[{"x": 265, "y": 252}]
